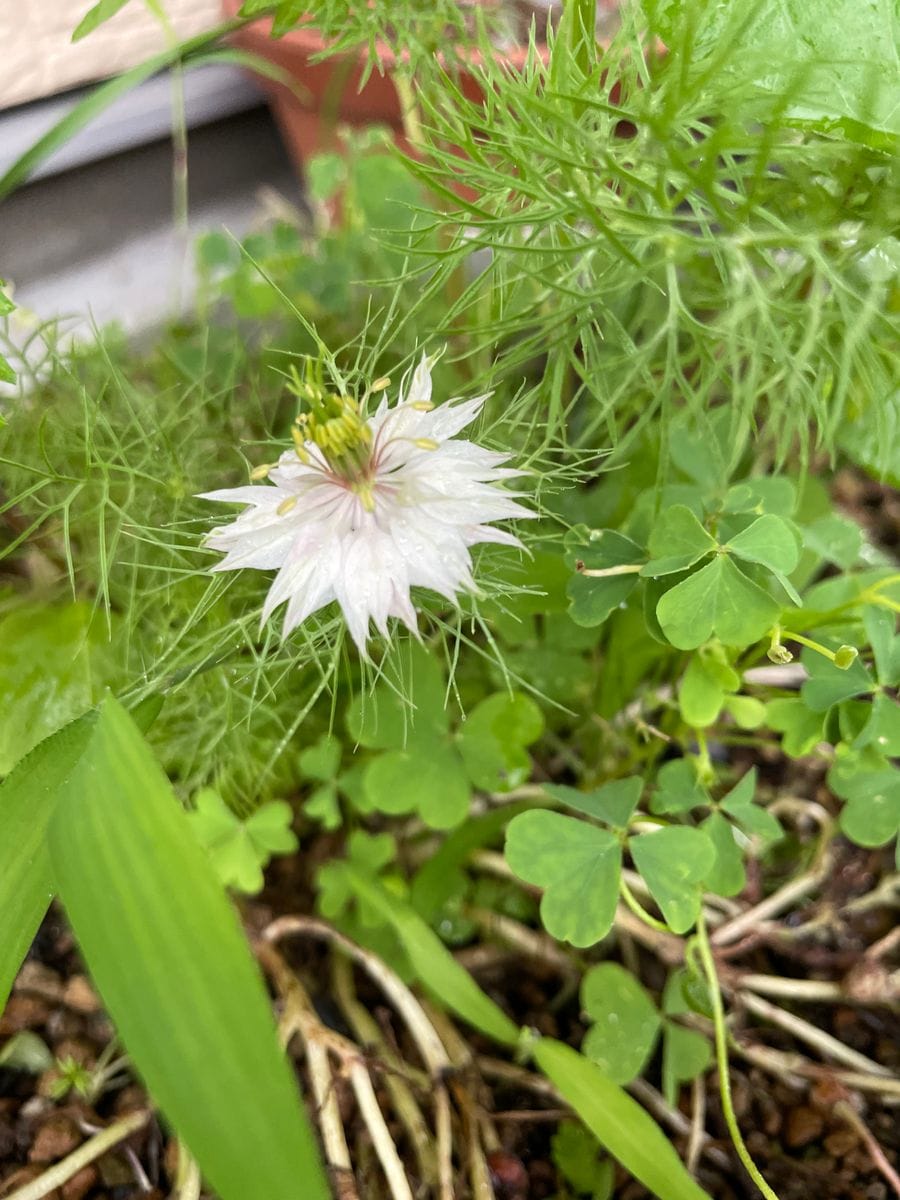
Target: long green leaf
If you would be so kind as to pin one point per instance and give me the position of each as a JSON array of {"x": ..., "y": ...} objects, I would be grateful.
[
  {"x": 170, "y": 961},
  {"x": 627, "y": 1131},
  {"x": 27, "y": 799},
  {"x": 100, "y": 98},
  {"x": 434, "y": 964}
]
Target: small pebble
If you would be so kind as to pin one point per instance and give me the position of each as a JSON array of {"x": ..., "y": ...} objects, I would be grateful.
[{"x": 804, "y": 1125}]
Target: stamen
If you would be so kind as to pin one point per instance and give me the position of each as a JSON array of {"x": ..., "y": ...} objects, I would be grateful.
[
  {"x": 287, "y": 504},
  {"x": 261, "y": 472},
  {"x": 300, "y": 447},
  {"x": 421, "y": 406},
  {"x": 380, "y": 384},
  {"x": 426, "y": 444}
]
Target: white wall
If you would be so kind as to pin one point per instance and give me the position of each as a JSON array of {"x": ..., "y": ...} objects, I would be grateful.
[{"x": 39, "y": 58}]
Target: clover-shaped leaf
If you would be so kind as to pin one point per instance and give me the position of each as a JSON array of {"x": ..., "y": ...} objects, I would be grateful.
[
  {"x": 613, "y": 803},
  {"x": 677, "y": 541},
  {"x": 835, "y": 539},
  {"x": 881, "y": 630},
  {"x": 740, "y": 804},
  {"x": 709, "y": 678},
  {"x": 769, "y": 541},
  {"x": 870, "y": 785},
  {"x": 321, "y": 760},
  {"x": 674, "y": 863},
  {"x": 493, "y": 738},
  {"x": 428, "y": 778},
  {"x": 678, "y": 788},
  {"x": 625, "y": 1022},
  {"x": 882, "y": 730},
  {"x": 828, "y": 684},
  {"x": 578, "y": 866},
  {"x": 801, "y": 729},
  {"x": 401, "y": 711},
  {"x": 593, "y": 597},
  {"x": 718, "y": 599},
  {"x": 369, "y": 853},
  {"x": 727, "y": 876},
  {"x": 239, "y": 849}
]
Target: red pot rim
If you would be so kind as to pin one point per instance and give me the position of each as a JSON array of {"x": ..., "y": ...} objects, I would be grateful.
[{"x": 309, "y": 41}]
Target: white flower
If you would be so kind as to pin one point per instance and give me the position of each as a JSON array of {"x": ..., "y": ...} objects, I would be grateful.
[{"x": 362, "y": 511}]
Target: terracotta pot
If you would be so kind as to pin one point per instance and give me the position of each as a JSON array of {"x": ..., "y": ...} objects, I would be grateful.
[{"x": 330, "y": 92}]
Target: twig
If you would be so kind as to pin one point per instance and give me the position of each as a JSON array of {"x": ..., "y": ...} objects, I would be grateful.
[
  {"x": 422, "y": 1031},
  {"x": 519, "y": 937},
  {"x": 187, "y": 1179},
  {"x": 805, "y": 1032},
  {"x": 813, "y": 990},
  {"x": 368, "y": 1033},
  {"x": 848, "y": 1113},
  {"x": 750, "y": 920},
  {"x": 698, "y": 1124},
  {"x": 97, "y": 1146},
  {"x": 795, "y": 1069}
]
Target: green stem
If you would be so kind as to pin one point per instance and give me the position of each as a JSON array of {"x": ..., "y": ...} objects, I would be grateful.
[
  {"x": 638, "y": 909},
  {"x": 718, "y": 1013}
]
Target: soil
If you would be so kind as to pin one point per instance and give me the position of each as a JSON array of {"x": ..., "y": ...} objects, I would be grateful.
[{"x": 800, "y": 1128}]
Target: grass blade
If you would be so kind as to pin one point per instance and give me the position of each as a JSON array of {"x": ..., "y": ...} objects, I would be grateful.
[
  {"x": 171, "y": 963},
  {"x": 627, "y": 1131},
  {"x": 27, "y": 799}
]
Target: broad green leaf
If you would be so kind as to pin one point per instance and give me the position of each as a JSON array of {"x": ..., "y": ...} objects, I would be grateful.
[
  {"x": 619, "y": 1123},
  {"x": 881, "y": 630},
  {"x": 493, "y": 738},
  {"x": 27, "y": 799},
  {"x": 428, "y": 779},
  {"x": 674, "y": 862},
  {"x": 718, "y": 599},
  {"x": 677, "y": 541},
  {"x": 591, "y": 598},
  {"x": 727, "y": 876},
  {"x": 433, "y": 963},
  {"x": 613, "y": 803},
  {"x": 578, "y": 867},
  {"x": 172, "y": 965},
  {"x": 828, "y": 684},
  {"x": 769, "y": 541},
  {"x": 53, "y": 667},
  {"x": 678, "y": 790},
  {"x": 686, "y": 1055},
  {"x": 624, "y": 1019},
  {"x": 96, "y": 16},
  {"x": 802, "y": 729},
  {"x": 841, "y": 75}
]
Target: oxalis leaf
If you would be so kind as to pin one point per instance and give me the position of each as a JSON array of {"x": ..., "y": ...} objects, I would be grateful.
[
  {"x": 171, "y": 963},
  {"x": 627, "y": 1131},
  {"x": 718, "y": 599},
  {"x": 577, "y": 865},
  {"x": 675, "y": 862},
  {"x": 593, "y": 598}
]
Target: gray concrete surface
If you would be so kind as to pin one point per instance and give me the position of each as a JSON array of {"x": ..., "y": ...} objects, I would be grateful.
[{"x": 98, "y": 243}]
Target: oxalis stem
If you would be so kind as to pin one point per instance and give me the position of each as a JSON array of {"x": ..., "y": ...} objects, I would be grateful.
[{"x": 718, "y": 1012}]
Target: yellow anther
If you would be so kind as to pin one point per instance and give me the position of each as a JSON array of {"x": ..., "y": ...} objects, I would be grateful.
[
  {"x": 261, "y": 472},
  {"x": 380, "y": 384},
  {"x": 300, "y": 447},
  {"x": 421, "y": 406},
  {"x": 426, "y": 443}
]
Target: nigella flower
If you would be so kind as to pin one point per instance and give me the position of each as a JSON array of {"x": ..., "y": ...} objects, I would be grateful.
[{"x": 362, "y": 510}]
